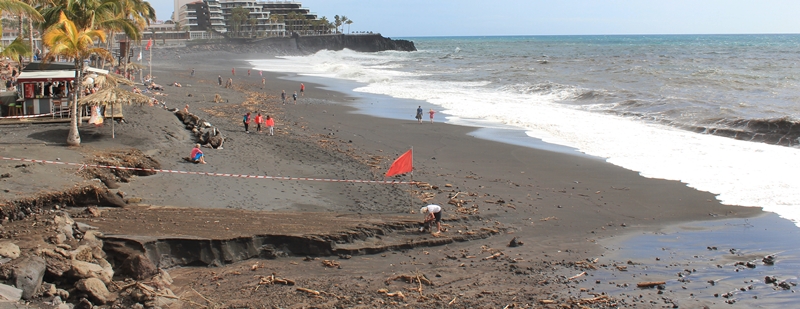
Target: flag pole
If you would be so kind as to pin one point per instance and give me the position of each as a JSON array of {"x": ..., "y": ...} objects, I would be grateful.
[
  {"x": 150, "y": 47},
  {"x": 410, "y": 185}
]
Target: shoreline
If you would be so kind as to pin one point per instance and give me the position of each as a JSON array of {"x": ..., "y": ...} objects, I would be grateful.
[{"x": 559, "y": 205}]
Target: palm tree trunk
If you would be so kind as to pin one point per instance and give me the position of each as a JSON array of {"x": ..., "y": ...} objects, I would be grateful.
[
  {"x": 109, "y": 48},
  {"x": 74, "y": 137},
  {"x": 30, "y": 36},
  {"x": 19, "y": 35}
]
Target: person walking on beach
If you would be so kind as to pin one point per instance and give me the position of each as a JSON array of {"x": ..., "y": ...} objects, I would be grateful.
[
  {"x": 419, "y": 114},
  {"x": 259, "y": 120},
  {"x": 283, "y": 96},
  {"x": 294, "y": 96},
  {"x": 192, "y": 74},
  {"x": 302, "y": 89},
  {"x": 263, "y": 82},
  {"x": 431, "y": 113},
  {"x": 433, "y": 213},
  {"x": 197, "y": 155},
  {"x": 248, "y": 72},
  {"x": 229, "y": 84},
  {"x": 246, "y": 121},
  {"x": 233, "y": 71},
  {"x": 270, "y": 123},
  {"x": 219, "y": 79}
]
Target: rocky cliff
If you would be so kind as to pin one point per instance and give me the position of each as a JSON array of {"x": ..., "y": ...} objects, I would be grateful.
[
  {"x": 308, "y": 44},
  {"x": 359, "y": 42}
]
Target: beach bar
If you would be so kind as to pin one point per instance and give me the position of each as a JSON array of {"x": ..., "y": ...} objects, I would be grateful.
[{"x": 45, "y": 91}]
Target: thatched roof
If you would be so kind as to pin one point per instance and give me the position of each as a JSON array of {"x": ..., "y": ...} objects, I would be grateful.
[{"x": 114, "y": 95}]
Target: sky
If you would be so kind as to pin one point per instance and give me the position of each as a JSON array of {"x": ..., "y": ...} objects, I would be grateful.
[{"x": 419, "y": 18}]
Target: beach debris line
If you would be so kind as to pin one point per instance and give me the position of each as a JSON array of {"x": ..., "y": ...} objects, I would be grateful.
[{"x": 393, "y": 182}]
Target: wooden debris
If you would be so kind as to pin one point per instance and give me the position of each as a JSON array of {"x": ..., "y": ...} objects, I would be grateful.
[
  {"x": 595, "y": 300},
  {"x": 650, "y": 284},
  {"x": 329, "y": 263},
  {"x": 397, "y": 294},
  {"x": 547, "y": 301},
  {"x": 585, "y": 265},
  {"x": 411, "y": 279},
  {"x": 309, "y": 291},
  {"x": 548, "y": 219},
  {"x": 493, "y": 256},
  {"x": 576, "y": 276},
  {"x": 272, "y": 280},
  {"x": 622, "y": 268}
]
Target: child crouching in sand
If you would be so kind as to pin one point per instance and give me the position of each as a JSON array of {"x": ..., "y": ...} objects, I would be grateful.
[{"x": 197, "y": 155}]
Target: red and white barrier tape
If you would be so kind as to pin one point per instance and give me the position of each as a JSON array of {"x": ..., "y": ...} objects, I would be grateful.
[
  {"x": 82, "y": 166},
  {"x": 27, "y": 116}
]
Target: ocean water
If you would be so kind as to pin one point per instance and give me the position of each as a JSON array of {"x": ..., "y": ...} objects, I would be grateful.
[{"x": 720, "y": 113}]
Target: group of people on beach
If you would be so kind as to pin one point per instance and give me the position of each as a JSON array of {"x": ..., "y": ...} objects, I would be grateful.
[
  {"x": 268, "y": 122},
  {"x": 294, "y": 95},
  {"x": 419, "y": 114}
]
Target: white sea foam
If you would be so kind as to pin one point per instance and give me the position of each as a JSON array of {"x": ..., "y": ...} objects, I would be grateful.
[{"x": 738, "y": 172}]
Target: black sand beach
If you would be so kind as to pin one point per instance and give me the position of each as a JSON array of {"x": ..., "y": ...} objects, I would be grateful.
[{"x": 557, "y": 205}]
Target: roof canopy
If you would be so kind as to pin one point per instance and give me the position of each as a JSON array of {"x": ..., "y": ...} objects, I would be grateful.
[
  {"x": 98, "y": 71},
  {"x": 46, "y": 76},
  {"x": 50, "y": 66}
]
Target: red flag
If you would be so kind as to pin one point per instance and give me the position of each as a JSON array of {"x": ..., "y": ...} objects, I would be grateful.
[
  {"x": 402, "y": 165},
  {"x": 149, "y": 43}
]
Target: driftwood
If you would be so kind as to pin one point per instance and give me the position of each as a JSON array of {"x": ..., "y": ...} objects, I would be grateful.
[
  {"x": 329, "y": 263},
  {"x": 650, "y": 284},
  {"x": 585, "y": 265},
  {"x": 309, "y": 291},
  {"x": 397, "y": 294},
  {"x": 272, "y": 280},
  {"x": 319, "y": 293},
  {"x": 576, "y": 276},
  {"x": 410, "y": 279},
  {"x": 595, "y": 300},
  {"x": 493, "y": 256}
]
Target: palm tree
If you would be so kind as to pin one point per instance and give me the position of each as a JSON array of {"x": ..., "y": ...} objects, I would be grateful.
[
  {"x": 130, "y": 17},
  {"x": 348, "y": 21},
  {"x": 66, "y": 39},
  {"x": 337, "y": 21},
  {"x": 325, "y": 24},
  {"x": 20, "y": 8}
]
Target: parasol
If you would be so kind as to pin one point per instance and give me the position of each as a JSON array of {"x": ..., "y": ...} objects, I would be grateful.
[{"x": 113, "y": 96}]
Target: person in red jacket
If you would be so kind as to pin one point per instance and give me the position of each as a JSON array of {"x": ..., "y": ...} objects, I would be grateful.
[
  {"x": 259, "y": 120},
  {"x": 270, "y": 123}
]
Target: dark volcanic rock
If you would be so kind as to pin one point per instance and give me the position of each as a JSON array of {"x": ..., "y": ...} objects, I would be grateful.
[{"x": 139, "y": 267}]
